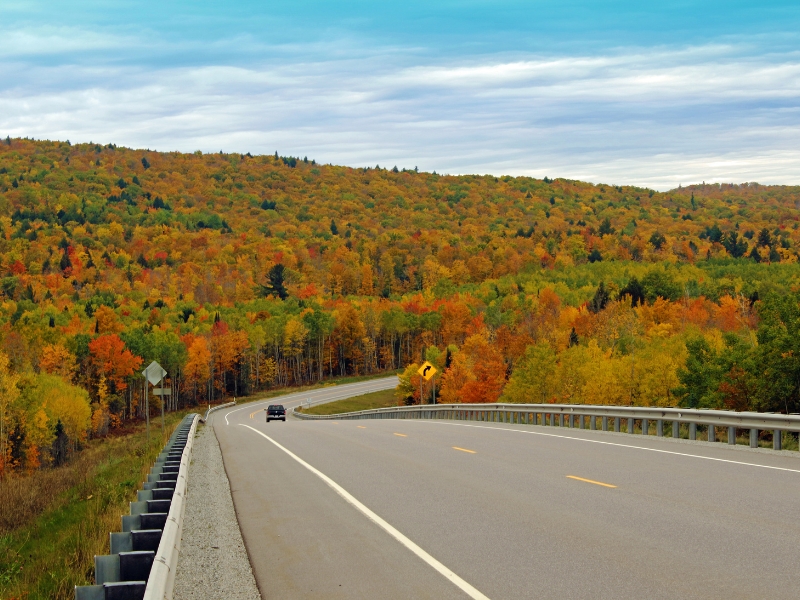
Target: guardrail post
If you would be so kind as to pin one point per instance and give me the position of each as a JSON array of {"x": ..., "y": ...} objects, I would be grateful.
[
  {"x": 571, "y": 420},
  {"x": 732, "y": 436},
  {"x": 561, "y": 419},
  {"x": 676, "y": 429},
  {"x": 604, "y": 423},
  {"x": 630, "y": 425},
  {"x": 754, "y": 438},
  {"x": 776, "y": 439},
  {"x": 552, "y": 419},
  {"x": 580, "y": 421},
  {"x": 592, "y": 422},
  {"x": 617, "y": 424},
  {"x": 712, "y": 433},
  {"x": 660, "y": 428},
  {"x": 645, "y": 427},
  {"x": 692, "y": 431}
]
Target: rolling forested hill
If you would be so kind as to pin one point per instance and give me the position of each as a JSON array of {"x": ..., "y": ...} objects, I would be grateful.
[{"x": 240, "y": 272}]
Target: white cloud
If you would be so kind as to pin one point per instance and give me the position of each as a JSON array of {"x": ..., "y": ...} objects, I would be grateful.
[
  {"x": 658, "y": 118},
  {"x": 57, "y": 41}
]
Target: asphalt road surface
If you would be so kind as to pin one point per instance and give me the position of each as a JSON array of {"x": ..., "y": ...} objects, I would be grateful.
[{"x": 444, "y": 509}]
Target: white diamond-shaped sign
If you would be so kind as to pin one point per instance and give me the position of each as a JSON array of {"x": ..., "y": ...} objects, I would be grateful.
[{"x": 154, "y": 372}]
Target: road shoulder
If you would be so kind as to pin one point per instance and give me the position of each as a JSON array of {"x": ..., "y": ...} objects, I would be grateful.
[{"x": 213, "y": 562}]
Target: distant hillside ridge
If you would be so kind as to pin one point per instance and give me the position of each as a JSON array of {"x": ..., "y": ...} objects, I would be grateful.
[{"x": 68, "y": 208}]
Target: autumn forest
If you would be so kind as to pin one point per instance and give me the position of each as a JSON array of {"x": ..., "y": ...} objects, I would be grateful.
[{"x": 242, "y": 273}]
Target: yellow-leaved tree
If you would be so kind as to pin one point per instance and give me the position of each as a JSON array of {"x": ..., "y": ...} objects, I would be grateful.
[
  {"x": 64, "y": 402},
  {"x": 8, "y": 394},
  {"x": 534, "y": 379}
]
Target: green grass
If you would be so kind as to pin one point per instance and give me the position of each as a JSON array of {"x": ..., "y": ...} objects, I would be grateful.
[
  {"x": 53, "y": 550},
  {"x": 380, "y": 399},
  {"x": 274, "y": 393}
]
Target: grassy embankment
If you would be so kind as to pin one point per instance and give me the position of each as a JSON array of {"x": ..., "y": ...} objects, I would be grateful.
[
  {"x": 327, "y": 383},
  {"x": 54, "y": 521},
  {"x": 381, "y": 399}
]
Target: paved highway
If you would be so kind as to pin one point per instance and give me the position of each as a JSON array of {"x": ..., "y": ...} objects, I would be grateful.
[{"x": 435, "y": 509}]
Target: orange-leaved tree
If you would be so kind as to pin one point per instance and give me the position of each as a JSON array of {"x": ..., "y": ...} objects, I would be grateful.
[
  {"x": 57, "y": 360},
  {"x": 112, "y": 360}
]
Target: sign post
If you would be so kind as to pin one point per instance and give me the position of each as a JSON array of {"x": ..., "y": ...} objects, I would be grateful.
[
  {"x": 426, "y": 372},
  {"x": 154, "y": 374}
]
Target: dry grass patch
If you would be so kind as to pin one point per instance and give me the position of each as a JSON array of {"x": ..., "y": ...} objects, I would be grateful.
[
  {"x": 382, "y": 399},
  {"x": 62, "y": 517}
]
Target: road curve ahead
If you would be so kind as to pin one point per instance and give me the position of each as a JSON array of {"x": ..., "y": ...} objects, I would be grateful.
[{"x": 438, "y": 509}]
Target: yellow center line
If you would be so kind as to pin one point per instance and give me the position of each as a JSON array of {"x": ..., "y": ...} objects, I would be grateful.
[
  {"x": 360, "y": 426},
  {"x": 401, "y": 434},
  {"x": 608, "y": 485},
  {"x": 464, "y": 450}
]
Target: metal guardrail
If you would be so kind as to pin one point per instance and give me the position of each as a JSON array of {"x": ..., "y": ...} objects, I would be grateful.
[
  {"x": 572, "y": 415},
  {"x": 210, "y": 410},
  {"x": 144, "y": 554},
  {"x": 162, "y": 575}
]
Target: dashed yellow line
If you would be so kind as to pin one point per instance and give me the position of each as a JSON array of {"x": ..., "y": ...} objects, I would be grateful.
[
  {"x": 464, "y": 450},
  {"x": 252, "y": 414},
  {"x": 360, "y": 426},
  {"x": 608, "y": 485},
  {"x": 401, "y": 435}
]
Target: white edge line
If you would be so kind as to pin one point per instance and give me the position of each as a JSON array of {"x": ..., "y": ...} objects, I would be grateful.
[
  {"x": 455, "y": 579},
  {"x": 305, "y": 394},
  {"x": 569, "y": 437}
]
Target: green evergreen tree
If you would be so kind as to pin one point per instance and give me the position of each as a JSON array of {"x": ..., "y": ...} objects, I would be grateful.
[{"x": 275, "y": 283}]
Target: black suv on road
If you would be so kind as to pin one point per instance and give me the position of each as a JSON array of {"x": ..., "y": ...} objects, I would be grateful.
[{"x": 276, "y": 411}]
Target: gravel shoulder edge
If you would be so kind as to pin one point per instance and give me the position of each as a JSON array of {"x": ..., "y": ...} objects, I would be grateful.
[{"x": 213, "y": 561}]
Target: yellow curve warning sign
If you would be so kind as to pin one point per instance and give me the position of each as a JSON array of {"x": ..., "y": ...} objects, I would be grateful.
[{"x": 427, "y": 370}]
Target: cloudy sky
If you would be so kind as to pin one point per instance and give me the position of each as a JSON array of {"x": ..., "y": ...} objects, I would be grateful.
[{"x": 648, "y": 93}]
